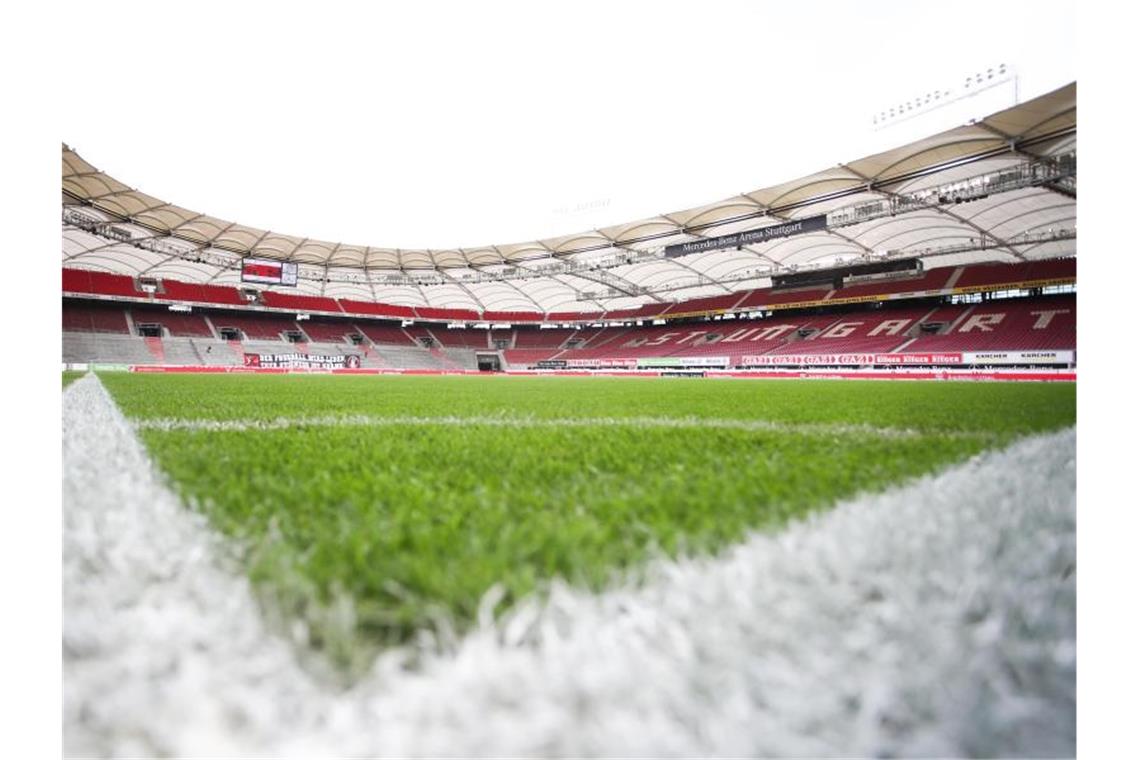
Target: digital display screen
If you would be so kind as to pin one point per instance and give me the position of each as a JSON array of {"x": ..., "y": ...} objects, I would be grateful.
[{"x": 269, "y": 272}]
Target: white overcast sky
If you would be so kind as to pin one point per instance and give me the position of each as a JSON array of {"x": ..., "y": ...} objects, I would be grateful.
[{"x": 444, "y": 125}]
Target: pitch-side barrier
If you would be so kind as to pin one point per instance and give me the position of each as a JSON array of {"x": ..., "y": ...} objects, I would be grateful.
[{"x": 1030, "y": 375}]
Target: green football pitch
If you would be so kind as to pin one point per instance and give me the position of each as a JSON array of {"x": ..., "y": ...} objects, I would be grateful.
[{"x": 372, "y": 508}]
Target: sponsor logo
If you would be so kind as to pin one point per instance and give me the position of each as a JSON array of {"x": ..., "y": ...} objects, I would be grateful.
[{"x": 748, "y": 237}]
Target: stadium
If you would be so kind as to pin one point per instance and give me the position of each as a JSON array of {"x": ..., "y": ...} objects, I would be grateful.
[
  {"x": 789, "y": 473},
  {"x": 953, "y": 252}
]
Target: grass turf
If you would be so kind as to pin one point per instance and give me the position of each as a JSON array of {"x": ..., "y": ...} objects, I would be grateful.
[
  {"x": 412, "y": 524},
  {"x": 70, "y": 376}
]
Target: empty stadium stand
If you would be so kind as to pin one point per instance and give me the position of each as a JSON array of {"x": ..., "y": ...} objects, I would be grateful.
[
  {"x": 376, "y": 309},
  {"x": 712, "y": 303},
  {"x": 462, "y": 337},
  {"x": 932, "y": 280},
  {"x": 386, "y": 333},
  {"x": 447, "y": 315},
  {"x": 328, "y": 332},
  {"x": 757, "y": 299},
  {"x": 877, "y": 331},
  {"x": 938, "y": 281},
  {"x": 527, "y": 357},
  {"x": 100, "y": 283},
  {"x": 1036, "y": 324},
  {"x": 256, "y": 326},
  {"x": 89, "y": 347},
  {"x": 94, "y": 317},
  {"x": 574, "y": 316},
  {"x": 539, "y": 338},
  {"x": 175, "y": 324},
  {"x": 850, "y": 320},
  {"x": 512, "y": 316},
  {"x": 298, "y": 302},
  {"x": 173, "y": 290}
]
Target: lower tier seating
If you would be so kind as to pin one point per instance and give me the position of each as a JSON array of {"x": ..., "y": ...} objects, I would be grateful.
[{"x": 101, "y": 333}]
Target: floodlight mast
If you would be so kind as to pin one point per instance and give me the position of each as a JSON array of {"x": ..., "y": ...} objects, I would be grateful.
[{"x": 969, "y": 86}]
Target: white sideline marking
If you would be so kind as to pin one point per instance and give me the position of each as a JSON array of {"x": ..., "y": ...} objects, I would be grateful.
[
  {"x": 680, "y": 423},
  {"x": 933, "y": 619}
]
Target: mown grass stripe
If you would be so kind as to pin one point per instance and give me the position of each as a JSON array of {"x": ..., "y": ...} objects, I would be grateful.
[
  {"x": 937, "y": 619},
  {"x": 680, "y": 423},
  {"x": 371, "y": 511}
]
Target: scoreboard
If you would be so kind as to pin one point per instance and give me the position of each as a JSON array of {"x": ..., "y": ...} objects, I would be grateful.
[{"x": 269, "y": 272}]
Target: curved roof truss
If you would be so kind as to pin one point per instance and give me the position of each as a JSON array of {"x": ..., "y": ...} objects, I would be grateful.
[{"x": 935, "y": 198}]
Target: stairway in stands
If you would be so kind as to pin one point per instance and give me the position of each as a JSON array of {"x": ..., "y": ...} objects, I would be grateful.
[
  {"x": 156, "y": 349},
  {"x": 445, "y": 360}
]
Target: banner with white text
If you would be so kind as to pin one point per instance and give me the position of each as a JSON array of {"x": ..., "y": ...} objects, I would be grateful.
[{"x": 302, "y": 361}]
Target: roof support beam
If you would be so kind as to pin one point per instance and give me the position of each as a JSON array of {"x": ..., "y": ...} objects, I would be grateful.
[
  {"x": 478, "y": 301},
  {"x": 527, "y": 296},
  {"x": 582, "y": 297},
  {"x": 1001, "y": 244},
  {"x": 1014, "y": 147}
]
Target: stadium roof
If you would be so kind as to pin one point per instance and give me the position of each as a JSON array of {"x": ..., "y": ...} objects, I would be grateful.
[{"x": 1002, "y": 189}]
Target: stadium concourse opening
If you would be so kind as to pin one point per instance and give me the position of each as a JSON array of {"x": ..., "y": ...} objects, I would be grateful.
[{"x": 324, "y": 498}]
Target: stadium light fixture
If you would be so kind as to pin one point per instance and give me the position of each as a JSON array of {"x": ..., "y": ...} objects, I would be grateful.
[{"x": 940, "y": 97}]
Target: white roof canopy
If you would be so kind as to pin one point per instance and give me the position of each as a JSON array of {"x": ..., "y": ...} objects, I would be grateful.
[{"x": 623, "y": 265}]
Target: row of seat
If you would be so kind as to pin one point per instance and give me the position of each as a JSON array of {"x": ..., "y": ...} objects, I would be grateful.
[
  {"x": 1040, "y": 323},
  {"x": 80, "y": 281}
]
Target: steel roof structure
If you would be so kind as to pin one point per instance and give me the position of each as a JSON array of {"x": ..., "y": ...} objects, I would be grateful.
[{"x": 999, "y": 189}]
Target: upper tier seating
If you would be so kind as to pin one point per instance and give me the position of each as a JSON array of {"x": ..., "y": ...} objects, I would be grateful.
[
  {"x": 512, "y": 316},
  {"x": 767, "y": 297},
  {"x": 102, "y": 283},
  {"x": 173, "y": 290},
  {"x": 998, "y": 274},
  {"x": 447, "y": 315},
  {"x": 975, "y": 277},
  {"x": 931, "y": 280},
  {"x": 297, "y": 301},
  {"x": 711, "y": 303},
  {"x": 574, "y": 316},
  {"x": 645, "y": 311},
  {"x": 350, "y": 306}
]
